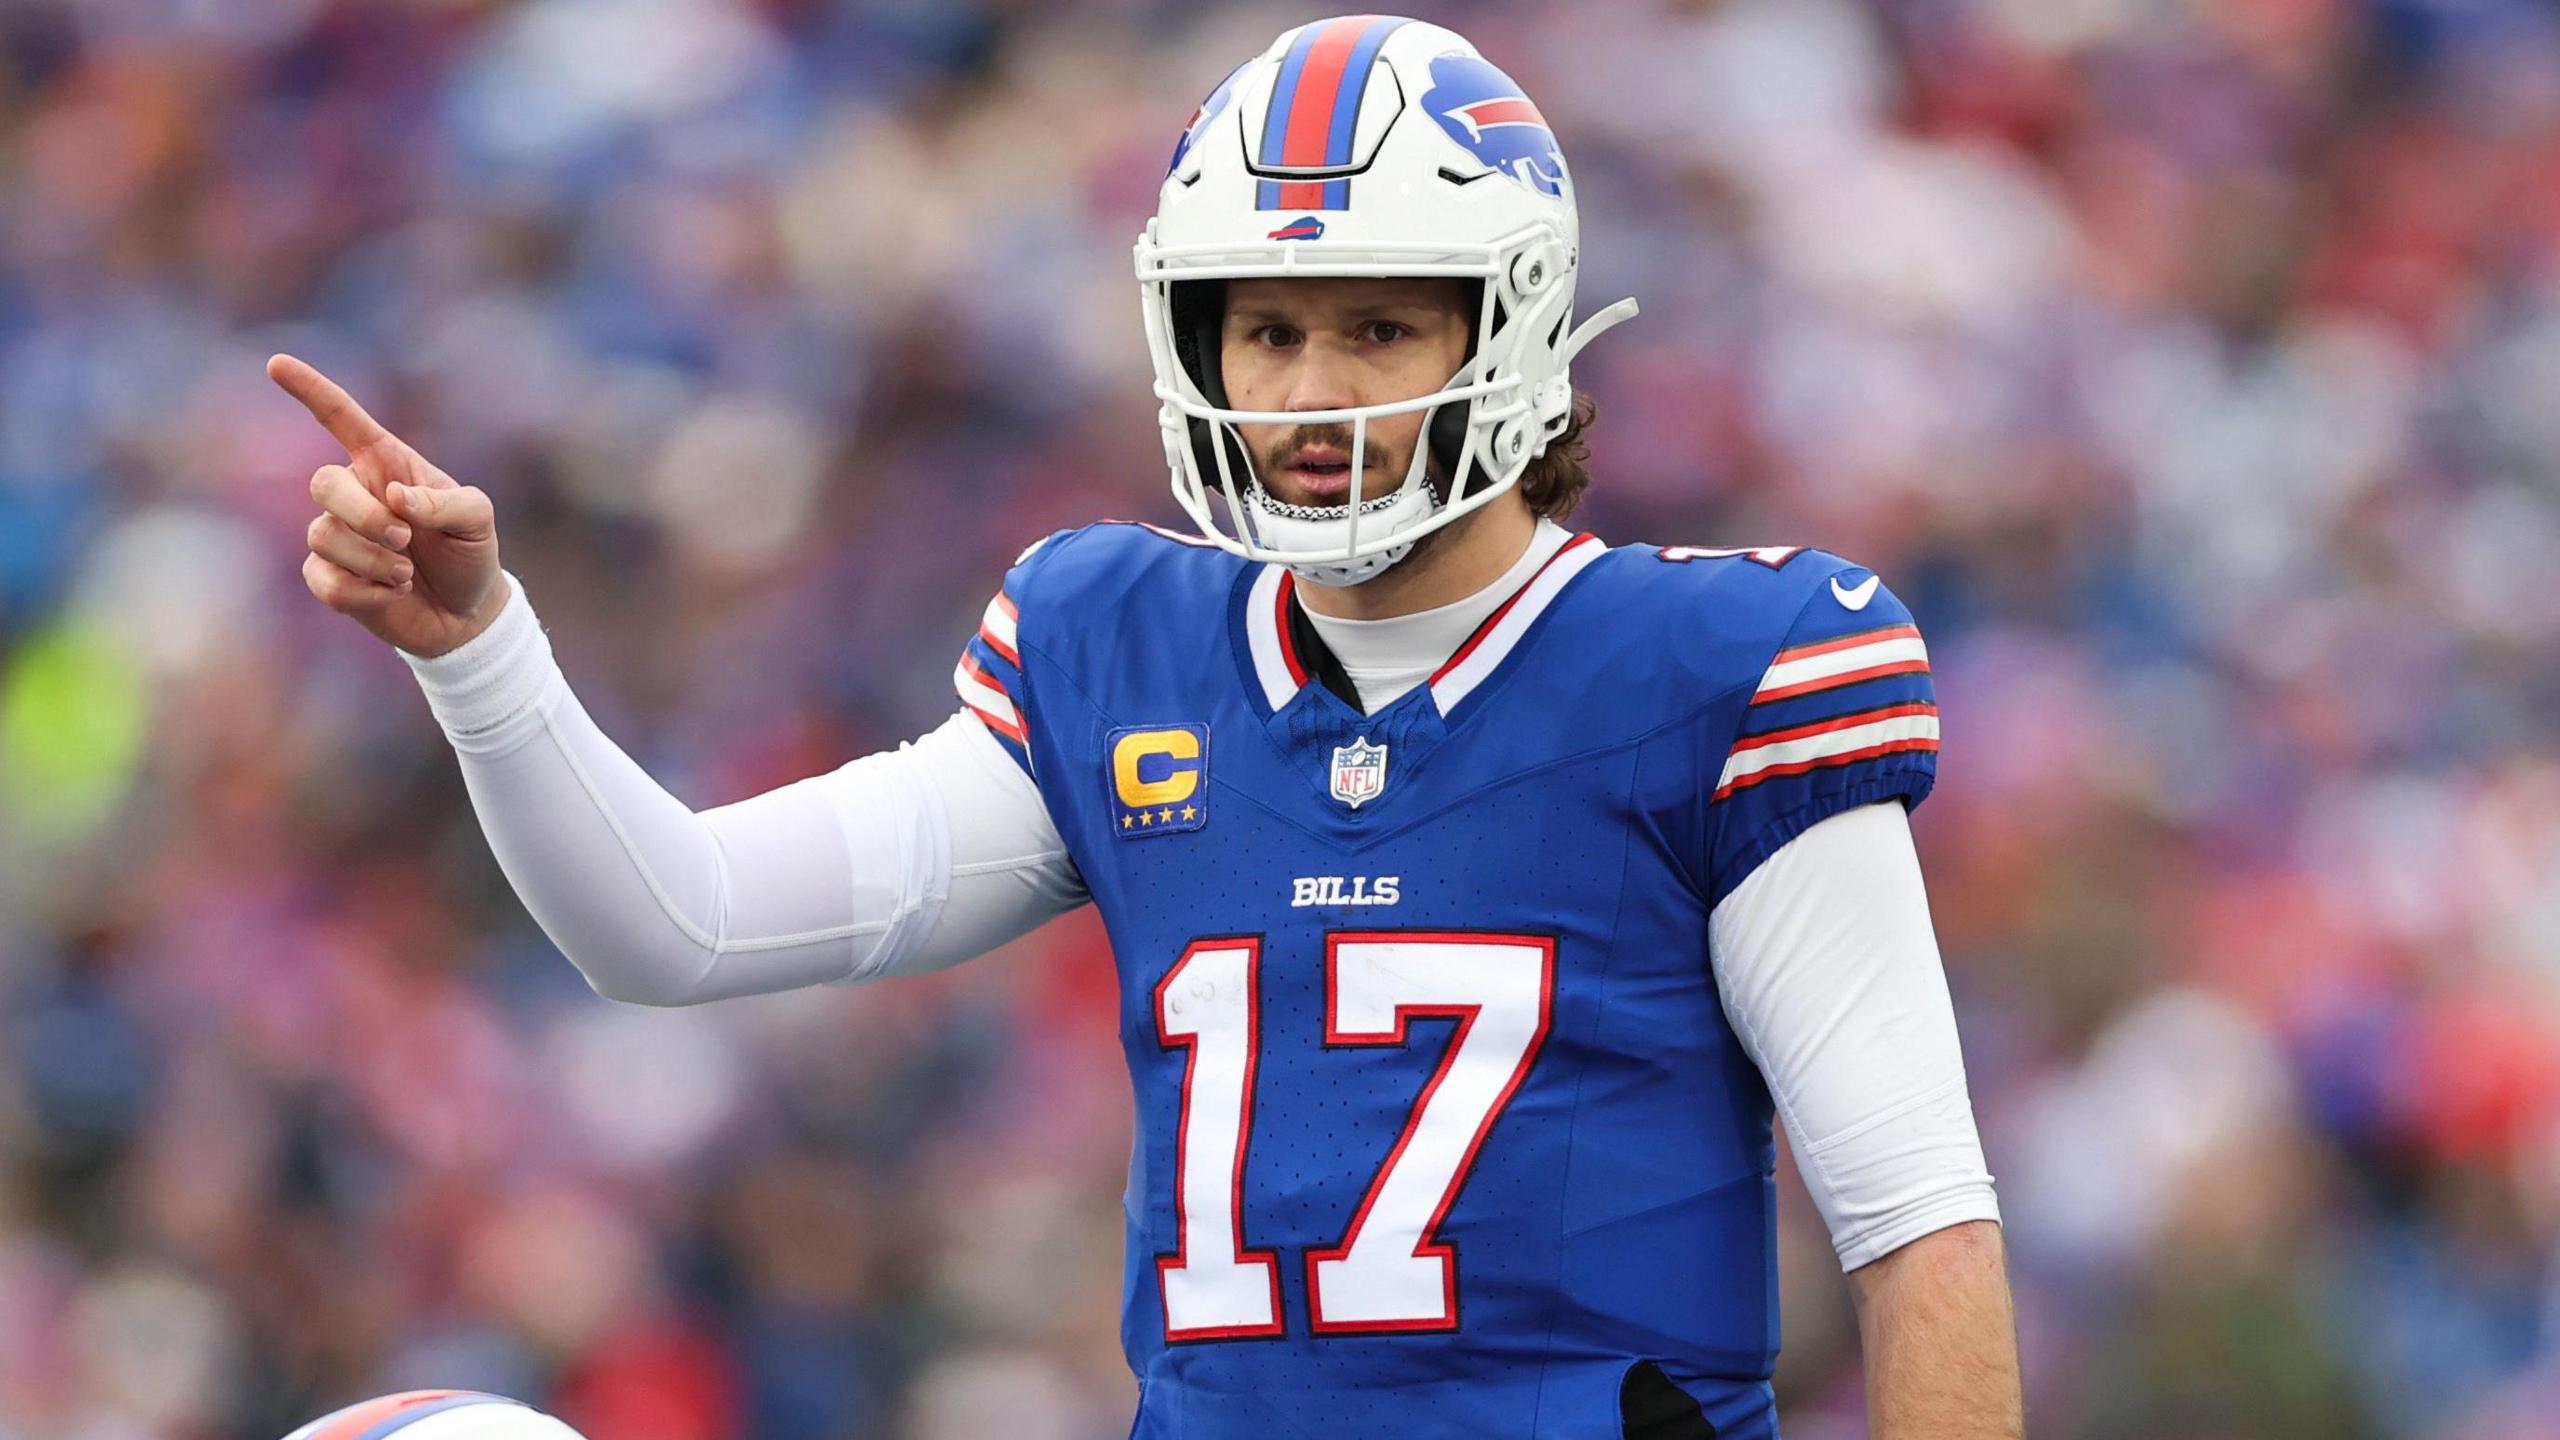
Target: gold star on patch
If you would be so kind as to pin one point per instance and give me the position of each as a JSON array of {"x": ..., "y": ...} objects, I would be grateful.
[
  {"x": 1145, "y": 819},
  {"x": 1126, "y": 822},
  {"x": 1165, "y": 815},
  {"x": 1190, "y": 813}
]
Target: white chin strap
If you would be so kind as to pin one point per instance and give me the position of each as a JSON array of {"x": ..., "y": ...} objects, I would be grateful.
[{"x": 1282, "y": 526}]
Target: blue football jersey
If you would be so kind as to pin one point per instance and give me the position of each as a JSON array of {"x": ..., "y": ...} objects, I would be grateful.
[{"x": 1441, "y": 1127}]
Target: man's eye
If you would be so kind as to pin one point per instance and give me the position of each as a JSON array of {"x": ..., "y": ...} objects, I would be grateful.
[
  {"x": 1276, "y": 336},
  {"x": 1386, "y": 332}
]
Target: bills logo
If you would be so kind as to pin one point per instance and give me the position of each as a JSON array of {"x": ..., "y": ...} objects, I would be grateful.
[
  {"x": 1326, "y": 890},
  {"x": 1306, "y": 227},
  {"x": 1210, "y": 109},
  {"x": 1359, "y": 772},
  {"x": 1484, "y": 111}
]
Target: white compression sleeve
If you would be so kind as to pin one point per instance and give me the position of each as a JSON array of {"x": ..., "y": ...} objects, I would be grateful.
[
  {"x": 908, "y": 860},
  {"x": 1830, "y": 976}
]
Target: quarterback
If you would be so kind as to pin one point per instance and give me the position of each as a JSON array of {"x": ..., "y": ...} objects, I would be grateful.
[{"x": 1481, "y": 893}]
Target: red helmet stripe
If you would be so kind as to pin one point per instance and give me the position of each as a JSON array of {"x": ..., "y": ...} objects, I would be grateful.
[{"x": 1319, "y": 83}]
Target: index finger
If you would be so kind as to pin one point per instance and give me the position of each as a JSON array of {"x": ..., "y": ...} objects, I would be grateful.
[{"x": 333, "y": 407}]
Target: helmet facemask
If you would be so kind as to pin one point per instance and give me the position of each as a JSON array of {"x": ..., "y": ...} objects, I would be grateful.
[{"x": 1477, "y": 436}]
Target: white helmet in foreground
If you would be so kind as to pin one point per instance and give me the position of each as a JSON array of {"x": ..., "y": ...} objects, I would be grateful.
[
  {"x": 1366, "y": 145},
  {"x": 436, "y": 1415}
]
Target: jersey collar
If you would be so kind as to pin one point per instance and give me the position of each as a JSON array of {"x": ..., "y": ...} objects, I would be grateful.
[{"x": 1287, "y": 653}]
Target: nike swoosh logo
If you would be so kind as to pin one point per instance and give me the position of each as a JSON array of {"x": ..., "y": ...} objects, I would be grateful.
[{"x": 1856, "y": 596}]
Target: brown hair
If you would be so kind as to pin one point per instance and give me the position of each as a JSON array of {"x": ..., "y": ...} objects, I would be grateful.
[{"x": 1554, "y": 482}]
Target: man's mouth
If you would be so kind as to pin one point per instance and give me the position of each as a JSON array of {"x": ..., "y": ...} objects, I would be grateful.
[{"x": 1322, "y": 474}]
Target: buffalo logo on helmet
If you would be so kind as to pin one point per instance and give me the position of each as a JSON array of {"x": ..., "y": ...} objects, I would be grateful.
[
  {"x": 1210, "y": 109},
  {"x": 1487, "y": 112},
  {"x": 1305, "y": 227}
]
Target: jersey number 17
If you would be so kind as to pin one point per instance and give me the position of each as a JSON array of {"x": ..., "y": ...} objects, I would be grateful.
[{"x": 1389, "y": 1273}]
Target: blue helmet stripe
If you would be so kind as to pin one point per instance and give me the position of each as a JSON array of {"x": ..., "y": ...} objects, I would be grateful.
[
  {"x": 1284, "y": 95},
  {"x": 1355, "y": 83}
]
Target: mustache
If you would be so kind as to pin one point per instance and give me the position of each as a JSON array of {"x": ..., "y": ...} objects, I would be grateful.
[{"x": 1280, "y": 452}]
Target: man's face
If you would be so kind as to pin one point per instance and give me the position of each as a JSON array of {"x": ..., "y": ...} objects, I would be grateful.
[{"x": 1330, "y": 344}]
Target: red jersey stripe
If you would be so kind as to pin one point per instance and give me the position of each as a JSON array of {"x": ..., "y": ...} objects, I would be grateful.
[
  {"x": 1006, "y": 728},
  {"x": 1847, "y": 642},
  {"x": 1750, "y": 743},
  {"x": 983, "y": 675},
  {"x": 1889, "y": 747},
  {"x": 1845, "y": 677}
]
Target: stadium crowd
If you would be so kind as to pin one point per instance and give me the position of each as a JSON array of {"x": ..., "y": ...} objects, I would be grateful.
[{"x": 2192, "y": 369}]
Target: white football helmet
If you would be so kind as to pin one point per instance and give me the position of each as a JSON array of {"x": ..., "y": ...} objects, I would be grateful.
[
  {"x": 1366, "y": 145},
  {"x": 436, "y": 1415}
]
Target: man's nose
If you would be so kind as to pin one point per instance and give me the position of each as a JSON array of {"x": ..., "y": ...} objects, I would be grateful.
[{"x": 1322, "y": 379}]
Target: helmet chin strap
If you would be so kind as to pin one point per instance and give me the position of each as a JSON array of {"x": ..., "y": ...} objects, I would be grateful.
[
  {"x": 1280, "y": 525},
  {"x": 1283, "y": 526}
]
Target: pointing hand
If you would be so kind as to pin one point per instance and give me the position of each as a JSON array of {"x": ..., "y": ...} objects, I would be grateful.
[{"x": 398, "y": 546}]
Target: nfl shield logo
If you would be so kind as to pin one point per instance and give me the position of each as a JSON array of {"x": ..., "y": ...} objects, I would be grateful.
[{"x": 1359, "y": 772}]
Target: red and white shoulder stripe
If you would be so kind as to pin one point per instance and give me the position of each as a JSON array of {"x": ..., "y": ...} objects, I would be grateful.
[
  {"x": 1845, "y": 660},
  {"x": 996, "y": 627},
  {"x": 985, "y": 695},
  {"x": 1840, "y": 740},
  {"x": 1890, "y": 723}
]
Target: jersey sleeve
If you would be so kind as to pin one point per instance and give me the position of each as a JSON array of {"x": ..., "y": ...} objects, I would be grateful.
[
  {"x": 989, "y": 677},
  {"x": 1843, "y": 715}
]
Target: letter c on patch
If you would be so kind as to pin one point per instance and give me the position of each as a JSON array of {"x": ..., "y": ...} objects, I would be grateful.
[{"x": 1156, "y": 767}]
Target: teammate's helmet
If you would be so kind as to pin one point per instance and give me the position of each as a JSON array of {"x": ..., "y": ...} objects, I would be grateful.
[
  {"x": 1366, "y": 146},
  {"x": 436, "y": 1415}
]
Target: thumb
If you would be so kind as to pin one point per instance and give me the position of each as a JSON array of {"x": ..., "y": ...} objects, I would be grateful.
[{"x": 463, "y": 512}]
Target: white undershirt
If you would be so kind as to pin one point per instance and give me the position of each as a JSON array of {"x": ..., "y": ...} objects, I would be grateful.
[
  {"x": 920, "y": 857},
  {"x": 1386, "y": 658}
]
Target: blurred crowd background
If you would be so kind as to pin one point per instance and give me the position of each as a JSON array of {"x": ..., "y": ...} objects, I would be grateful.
[{"x": 2192, "y": 366}]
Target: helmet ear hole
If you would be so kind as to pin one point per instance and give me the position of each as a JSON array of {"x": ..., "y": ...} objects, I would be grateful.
[
  {"x": 1447, "y": 432},
  {"x": 1448, "y": 436},
  {"x": 1199, "y": 315}
]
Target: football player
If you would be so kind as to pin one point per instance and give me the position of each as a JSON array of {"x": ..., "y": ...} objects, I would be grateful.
[{"x": 1479, "y": 890}]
